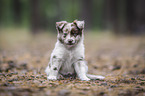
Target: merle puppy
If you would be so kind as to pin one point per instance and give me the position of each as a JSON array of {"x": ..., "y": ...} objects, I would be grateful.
[{"x": 68, "y": 55}]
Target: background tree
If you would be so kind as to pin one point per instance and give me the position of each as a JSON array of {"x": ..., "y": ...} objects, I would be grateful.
[{"x": 119, "y": 16}]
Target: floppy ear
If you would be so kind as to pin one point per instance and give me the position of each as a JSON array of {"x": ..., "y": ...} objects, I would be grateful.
[
  {"x": 60, "y": 25},
  {"x": 79, "y": 24}
]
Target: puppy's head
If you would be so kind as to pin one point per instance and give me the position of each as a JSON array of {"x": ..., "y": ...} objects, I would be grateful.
[{"x": 70, "y": 34}]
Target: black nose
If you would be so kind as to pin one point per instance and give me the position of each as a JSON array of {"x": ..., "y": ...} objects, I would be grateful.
[{"x": 70, "y": 41}]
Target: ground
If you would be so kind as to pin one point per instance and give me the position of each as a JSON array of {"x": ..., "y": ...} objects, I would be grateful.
[{"x": 24, "y": 57}]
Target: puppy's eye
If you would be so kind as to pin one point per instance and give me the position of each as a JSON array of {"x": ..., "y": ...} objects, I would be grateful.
[{"x": 75, "y": 34}]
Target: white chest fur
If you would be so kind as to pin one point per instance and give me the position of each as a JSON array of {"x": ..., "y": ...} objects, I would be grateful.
[{"x": 68, "y": 57}]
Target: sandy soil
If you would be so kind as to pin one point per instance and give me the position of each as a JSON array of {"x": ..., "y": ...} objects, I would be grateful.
[{"x": 23, "y": 59}]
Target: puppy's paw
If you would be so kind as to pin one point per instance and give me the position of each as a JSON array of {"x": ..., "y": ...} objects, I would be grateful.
[
  {"x": 85, "y": 79},
  {"x": 51, "y": 78}
]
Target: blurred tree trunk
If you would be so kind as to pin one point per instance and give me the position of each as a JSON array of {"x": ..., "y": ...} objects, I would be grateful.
[
  {"x": 135, "y": 16},
  {"x": 17, "y": 11},
  {"x": 130, "y": 16},
  {"x": 1, "y": 10},
  {"x": 108, "y": 14},
  {"x": 86, "y": 12},
  {"x": 139, "y": 13},
  {"x": 25, "y": 13},
  {"x": 114, "y": 15},
  {"x": 111, "y": 15},
  {"x": 35, "y": 16},
  {"x": 98, "y": 14},
  {"x": 7, "y": 16}
]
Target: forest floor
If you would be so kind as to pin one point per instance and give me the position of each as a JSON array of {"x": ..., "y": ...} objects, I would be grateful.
[{"x": 24, "y": 57}]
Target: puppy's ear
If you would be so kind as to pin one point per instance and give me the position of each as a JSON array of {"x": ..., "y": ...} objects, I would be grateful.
[
  {"x": 60, "y": 25},
  {"x": 79, "y": 24}
]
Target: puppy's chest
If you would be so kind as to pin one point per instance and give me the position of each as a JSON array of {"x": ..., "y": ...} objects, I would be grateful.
[{"x": 67, "y": 65}]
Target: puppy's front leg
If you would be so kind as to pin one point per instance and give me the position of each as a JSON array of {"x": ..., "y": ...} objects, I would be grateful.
[
  {"x": 53, "y": 68},
  {"x": 81, "y": 69}
]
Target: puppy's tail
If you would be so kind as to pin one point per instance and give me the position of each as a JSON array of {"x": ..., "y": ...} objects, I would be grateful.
[{"x": 95, "y": 77}]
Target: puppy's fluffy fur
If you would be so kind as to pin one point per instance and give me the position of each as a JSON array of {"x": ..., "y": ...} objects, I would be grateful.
[{"x": 67, "y": 58}]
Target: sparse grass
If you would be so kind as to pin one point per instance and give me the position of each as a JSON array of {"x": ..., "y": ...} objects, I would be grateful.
[{"x": 23, "y": 58}]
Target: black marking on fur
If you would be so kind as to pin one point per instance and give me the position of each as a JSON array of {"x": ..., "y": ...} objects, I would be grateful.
[
  {"x": 54, "y": 68},
  {"x": 61, "y": 29},
  {"x": 79, "y": 30},
  {"x": 63, "y": 26},
  {"x": 74, "y": 32},
  {"x": 64, "y": 35},
  {"x": 54, "y": 56},
  {"x": 81, "y": 59}
]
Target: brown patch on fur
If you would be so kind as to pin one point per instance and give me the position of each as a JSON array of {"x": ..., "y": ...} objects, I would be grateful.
[
  {"x": 66, "y": 30},
  {"x": 72, "y": 25},
  {"x": 74, "y": 21},
  {"x": 60, "y": 24},
  {"x": 61, "y": 41},
  {"x": 49, "y": 65}
]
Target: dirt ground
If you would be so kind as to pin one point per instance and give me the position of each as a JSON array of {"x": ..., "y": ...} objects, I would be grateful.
[{"x": 23, "y": 59}]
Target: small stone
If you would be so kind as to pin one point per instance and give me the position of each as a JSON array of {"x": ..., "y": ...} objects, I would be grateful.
[
  {"x": 101, "y": 93},
  {"x": 142, "y": 83},
  {"x": 64, "y": 92},
  {"x": 24, "y": 65},
  {"x": 116, "y": 67},
  {"x": 11, "y": 64},
  {"x": 113, "y": 86},
  {"x": 143, "y": 71},
  {"x": 11, "y": 80},
  {"x": 132, "y": 78},
  {"x": 47, "y": 93},
  {"x": 104, "y": 83},
  {"x": 82, "y": 93},
  {"x": 95, "y": 67},
  {"x": 135, "y": 65}
]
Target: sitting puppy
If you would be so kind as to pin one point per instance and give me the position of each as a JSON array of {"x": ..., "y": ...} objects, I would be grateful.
[{"x": 67, "y": 58}]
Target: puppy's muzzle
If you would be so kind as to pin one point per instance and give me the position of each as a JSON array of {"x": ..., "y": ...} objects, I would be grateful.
[{"x": 70, "y": 42}]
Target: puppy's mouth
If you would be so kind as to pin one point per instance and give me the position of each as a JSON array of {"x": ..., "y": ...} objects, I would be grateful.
[{"x": 70, "y": 44}]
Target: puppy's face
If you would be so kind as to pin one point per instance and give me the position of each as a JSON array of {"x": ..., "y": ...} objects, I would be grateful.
[{"x": 70, "y": 33}]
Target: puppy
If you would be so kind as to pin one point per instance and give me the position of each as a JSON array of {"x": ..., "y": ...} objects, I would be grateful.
[{"x": 67, "y": 58}]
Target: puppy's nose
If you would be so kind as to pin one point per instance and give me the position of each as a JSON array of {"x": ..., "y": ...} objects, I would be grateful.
[{"x": 70, "y": 41}]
